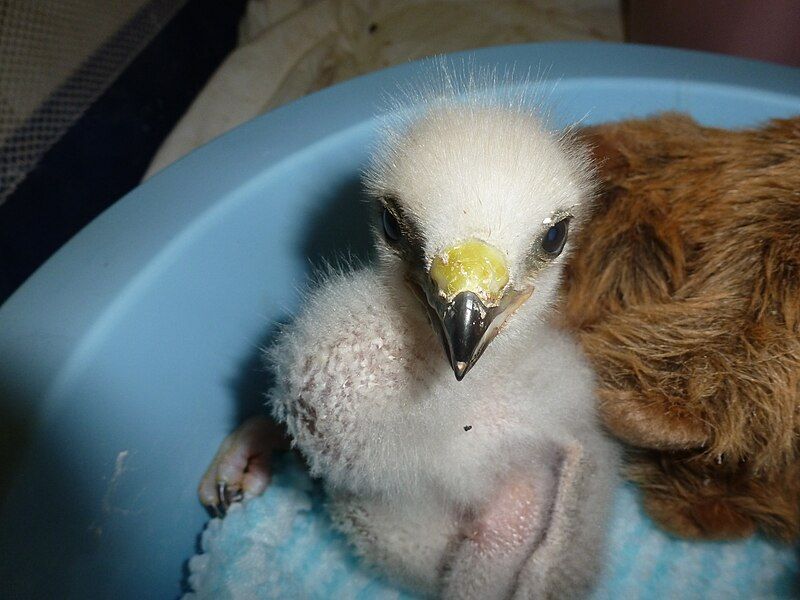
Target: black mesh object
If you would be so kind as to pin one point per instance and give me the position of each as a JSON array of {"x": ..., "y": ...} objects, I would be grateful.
[{"x": 56, "y": 58}]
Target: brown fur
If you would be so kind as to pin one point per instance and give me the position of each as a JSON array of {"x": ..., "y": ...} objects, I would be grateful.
[{"x": 685, "y": 294}]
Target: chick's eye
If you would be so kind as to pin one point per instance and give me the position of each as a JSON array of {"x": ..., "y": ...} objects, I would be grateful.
[
  {"x": 391, "y": 228},
  {"x": 555, "y": 238}
]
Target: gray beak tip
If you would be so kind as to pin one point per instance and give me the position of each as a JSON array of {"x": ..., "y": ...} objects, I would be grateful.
[{"x": 460, "y": 368}]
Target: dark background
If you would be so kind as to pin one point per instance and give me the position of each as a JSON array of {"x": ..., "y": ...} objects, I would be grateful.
[{"x": 106, "y": 152}]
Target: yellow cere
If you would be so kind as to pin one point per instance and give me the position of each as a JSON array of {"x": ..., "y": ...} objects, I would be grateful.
[{"x": 471, "y": 266}]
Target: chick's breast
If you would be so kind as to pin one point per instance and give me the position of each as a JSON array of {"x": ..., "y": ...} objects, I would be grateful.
[{"x": 344, "y": 371}]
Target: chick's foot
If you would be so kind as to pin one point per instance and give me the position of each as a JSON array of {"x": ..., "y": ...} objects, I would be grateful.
[{"x": 242, "y": 466}]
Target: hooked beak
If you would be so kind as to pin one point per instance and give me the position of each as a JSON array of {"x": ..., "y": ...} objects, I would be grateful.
[
  {"x": 468, "y": 300},
  {"x": 468, "y": 325}
]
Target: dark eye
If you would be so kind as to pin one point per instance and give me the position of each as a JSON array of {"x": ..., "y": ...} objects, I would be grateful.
[
  {"x": 391, "y": 228},
  {"x": 555, "y": 238}
]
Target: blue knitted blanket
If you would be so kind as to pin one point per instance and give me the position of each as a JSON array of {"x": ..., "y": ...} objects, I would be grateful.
[{"x": 282, "y": 545}]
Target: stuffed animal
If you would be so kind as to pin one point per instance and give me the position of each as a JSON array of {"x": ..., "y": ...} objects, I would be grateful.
[
  {"x": 453, "y": 426},
  {"x": 684, "y": 291}
]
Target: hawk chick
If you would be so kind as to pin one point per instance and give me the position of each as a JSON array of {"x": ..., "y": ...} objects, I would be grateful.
[{"x": 459, "y": 477}]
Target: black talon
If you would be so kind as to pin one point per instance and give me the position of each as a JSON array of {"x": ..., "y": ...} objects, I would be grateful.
[
  {"x": 226, "y": 498},
  {"x": 215, "y": 510},
  {"x": 222, "y": 497}
]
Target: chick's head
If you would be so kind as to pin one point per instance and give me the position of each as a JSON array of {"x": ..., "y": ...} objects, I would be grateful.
[{"x": 474, "y": 207}]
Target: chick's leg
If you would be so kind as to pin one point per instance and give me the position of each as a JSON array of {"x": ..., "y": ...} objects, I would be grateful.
[
  {"x": 241, "y": 467},
  {"x": 541, "y": 536},
  {"x": 407, "y": 541},
  {"x": 567, "y": 559},
  {"x": 495, "y": 546}
]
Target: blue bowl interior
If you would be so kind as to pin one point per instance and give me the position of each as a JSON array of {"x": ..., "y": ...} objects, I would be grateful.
[{"x": 134, "y": 350}]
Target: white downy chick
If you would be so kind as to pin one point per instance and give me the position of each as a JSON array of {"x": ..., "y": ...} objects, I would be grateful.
[{"x": 491, "y": 484}]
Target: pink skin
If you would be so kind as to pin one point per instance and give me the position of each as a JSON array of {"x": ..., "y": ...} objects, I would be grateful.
[
  {"x": 497, "y": 544},
  {"x": 508, "y": 522},
  {"x": 241, "y": 468}
]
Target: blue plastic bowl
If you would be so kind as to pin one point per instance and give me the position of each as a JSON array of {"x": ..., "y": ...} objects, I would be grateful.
[{"x": 130, "y": 354}]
